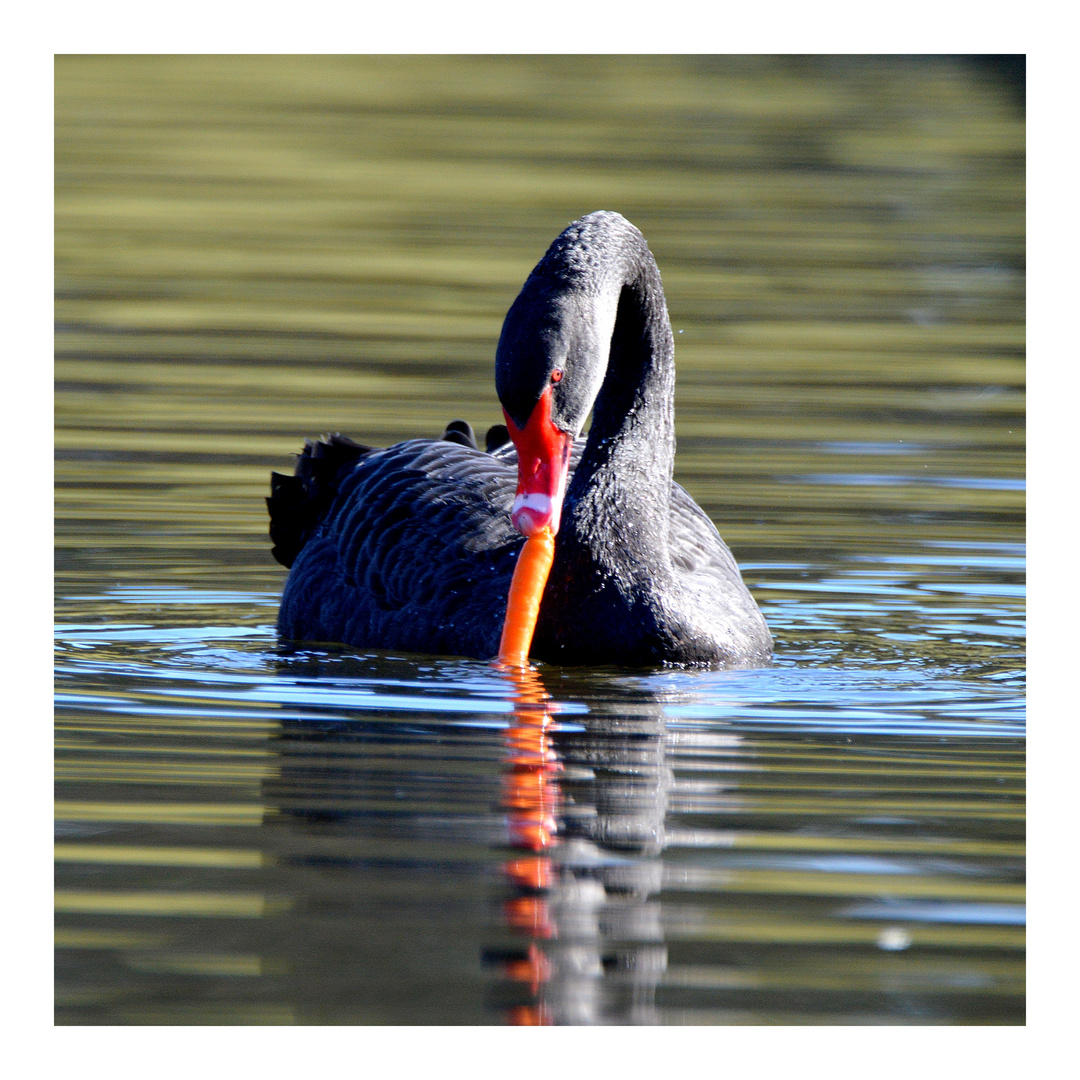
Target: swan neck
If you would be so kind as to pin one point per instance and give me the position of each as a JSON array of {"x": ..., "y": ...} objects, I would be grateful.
[
  {"x": 632, "y": 437},
  {"x": 636, "y": 398}
]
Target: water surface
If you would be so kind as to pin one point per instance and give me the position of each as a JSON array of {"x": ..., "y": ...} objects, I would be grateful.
[{"x": 254, "y": 250}]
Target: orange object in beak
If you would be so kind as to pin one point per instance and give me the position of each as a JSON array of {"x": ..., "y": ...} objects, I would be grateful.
[
  {"x": 523, "y": 603},
  {"x": 543, "y": 463}
]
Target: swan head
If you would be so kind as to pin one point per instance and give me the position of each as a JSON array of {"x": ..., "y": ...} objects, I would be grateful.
[{"x": 549, "y": 366}]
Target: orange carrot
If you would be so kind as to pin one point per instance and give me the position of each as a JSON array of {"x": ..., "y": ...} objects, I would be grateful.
[{"x": 523, "y": 604}]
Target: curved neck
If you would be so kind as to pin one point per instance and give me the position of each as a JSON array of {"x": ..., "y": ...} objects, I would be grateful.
[
  {"x": 629, "y": 457},
  {"x": 635, "y": 405}
]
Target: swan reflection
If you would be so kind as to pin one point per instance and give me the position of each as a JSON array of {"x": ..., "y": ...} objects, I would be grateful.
[{"x": 589, "y": 806}]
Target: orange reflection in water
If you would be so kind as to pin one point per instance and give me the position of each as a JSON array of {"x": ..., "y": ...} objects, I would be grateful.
[{"x": 531, "y": 799}]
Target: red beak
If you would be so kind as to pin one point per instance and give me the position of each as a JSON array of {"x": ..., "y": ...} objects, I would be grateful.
[{"x": 543, "y": 462}]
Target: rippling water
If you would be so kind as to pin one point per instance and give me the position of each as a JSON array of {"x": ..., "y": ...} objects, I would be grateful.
[{"x": 252, "y": 250}]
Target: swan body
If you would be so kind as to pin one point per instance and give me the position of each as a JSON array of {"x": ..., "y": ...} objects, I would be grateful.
[{"x": 413, "y": 547}]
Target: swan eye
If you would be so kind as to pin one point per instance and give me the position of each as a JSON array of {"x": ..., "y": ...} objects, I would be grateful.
[{"x": 556, "y": 375}]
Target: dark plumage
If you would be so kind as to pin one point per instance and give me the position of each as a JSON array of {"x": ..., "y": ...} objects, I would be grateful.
[{"x": 412, "y": 547}]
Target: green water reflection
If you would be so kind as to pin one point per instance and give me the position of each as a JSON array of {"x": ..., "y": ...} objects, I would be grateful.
[{"x": 252, "y": 250}]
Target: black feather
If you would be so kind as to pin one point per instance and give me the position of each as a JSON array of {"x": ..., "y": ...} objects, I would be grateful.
[
  {"x": 460, "y": 432},
  {"x": 497, "y": 435},
  {"x": 298, "y": 503}
]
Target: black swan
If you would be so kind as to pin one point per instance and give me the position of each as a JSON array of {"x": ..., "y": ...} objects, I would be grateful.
[{"x": 413, "y": 547}]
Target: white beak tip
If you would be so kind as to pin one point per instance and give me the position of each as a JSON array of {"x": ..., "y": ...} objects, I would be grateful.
[{"x": 532, "y": 512}]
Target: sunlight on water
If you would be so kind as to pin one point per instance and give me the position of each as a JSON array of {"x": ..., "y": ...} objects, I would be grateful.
[{"x": 254, "y": 250}]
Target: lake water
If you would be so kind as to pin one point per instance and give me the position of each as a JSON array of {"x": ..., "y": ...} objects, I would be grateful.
[{"x": 254, "y": 250}]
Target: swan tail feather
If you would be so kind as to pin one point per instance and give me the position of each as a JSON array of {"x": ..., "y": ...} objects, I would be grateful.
[{"x": 297, "y": 503}]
